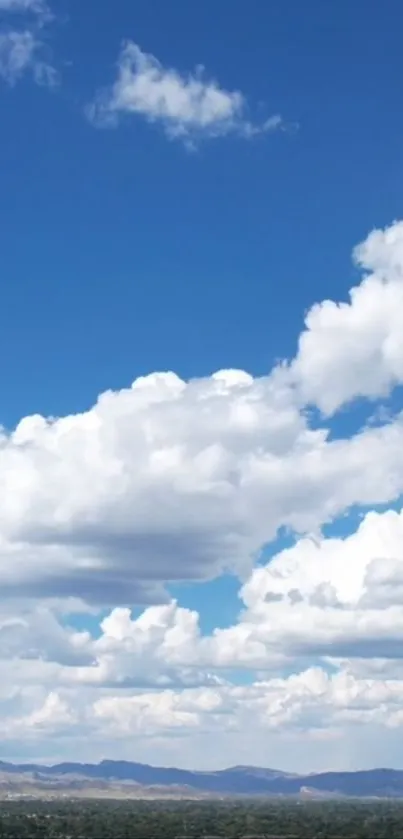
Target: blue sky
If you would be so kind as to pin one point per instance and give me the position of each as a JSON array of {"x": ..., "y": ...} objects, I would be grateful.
[
  {"x": 157, "y": 217},
  {"x": 155, "y": 259}
]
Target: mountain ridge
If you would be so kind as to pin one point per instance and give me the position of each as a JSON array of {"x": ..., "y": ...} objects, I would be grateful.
[{"x": 133, "y": 777}]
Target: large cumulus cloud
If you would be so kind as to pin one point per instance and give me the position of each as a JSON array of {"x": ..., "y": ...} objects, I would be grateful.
[{"x": 182, "y": 481}]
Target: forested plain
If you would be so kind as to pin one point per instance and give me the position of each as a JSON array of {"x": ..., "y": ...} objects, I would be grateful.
[{"x": 176, "y": 820}]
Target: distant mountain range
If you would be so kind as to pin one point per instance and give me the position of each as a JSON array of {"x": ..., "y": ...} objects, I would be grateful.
[{"x": 137, "y": 780}]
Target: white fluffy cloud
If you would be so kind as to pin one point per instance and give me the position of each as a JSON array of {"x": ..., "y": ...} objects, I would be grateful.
[
  {"x": 355, "y": 349},
  {"x": 270, "y": 721},
  {"x": 171, "y": 480},
  {"x": 329, "y": 598},
  {"x": 326, "y": 599},
  {"x": 189, "y": 106}
]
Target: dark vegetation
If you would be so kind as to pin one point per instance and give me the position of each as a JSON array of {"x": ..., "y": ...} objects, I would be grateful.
[{"x": 168, "y": 820}]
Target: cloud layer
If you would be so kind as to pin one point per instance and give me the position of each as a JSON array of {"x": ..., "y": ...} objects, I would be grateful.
[{"x": 171, "y": 481}]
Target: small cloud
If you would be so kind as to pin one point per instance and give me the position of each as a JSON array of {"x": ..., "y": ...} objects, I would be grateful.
[
  {"x": 188, "y": 107},
  {"x": 17, "y": 51},
  {"x": 35, "y": 7},
  {"x": 19, "y": 5},
  {"x": 20, "y": 52},
  {"x": 21, "y": 45}
]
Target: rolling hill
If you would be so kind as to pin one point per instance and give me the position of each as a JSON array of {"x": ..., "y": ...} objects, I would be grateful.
[{"x": 129, "y": 779}]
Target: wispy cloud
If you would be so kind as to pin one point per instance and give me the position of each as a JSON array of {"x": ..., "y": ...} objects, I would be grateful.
[
  {"x": 189, "y": 107},
  {"x": 39, "y": 8},
  {"x": 20, "y": 52},
  {"x": 22, "y": 49},
  {"x": 18, "y": 5},
  {"x": 21, "y": 5}
]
